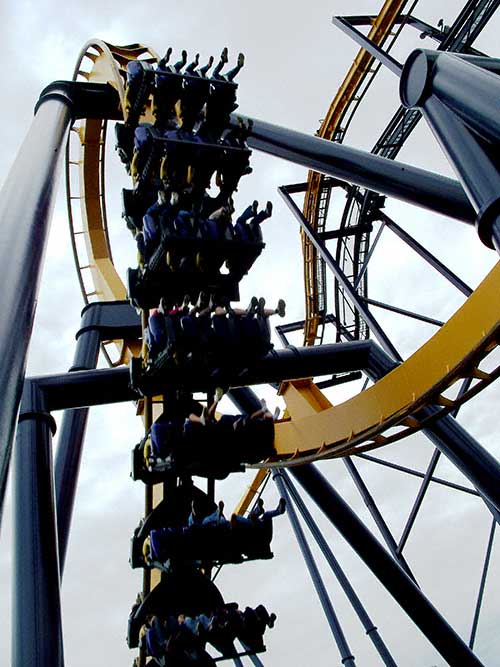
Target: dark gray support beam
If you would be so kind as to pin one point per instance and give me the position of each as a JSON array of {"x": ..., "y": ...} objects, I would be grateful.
[
  {"x": 112, "y": 320},
  {"x": 70, "y": 444},
  {"x": 417, "y": 473},
  {"x": 482, "y": 584},
  {"x": 425, "y": 254},
  {"x": 255, "y": 660},
  {"x": 356, "y": 603},
  {"x": 346, "y": 655},
  {"x": 427, "y": 480},
  {"x": 26, "y": 203},
  {"x": 342, "y": 233},
  {"x": 394, "y": 179},
  {"x": 106, "y": 386},
  {"x": 353, "y": 296},
  {"x": 411, "y": 599},
  {"x": 376, "y": 515},
  {"x": 382, "y": 56},
  {"x": 402, "y": 311},
  {"x": 36, "y": 627},
  {"x": 418, "y": 500},
  {"x": 368, "y": 257}
]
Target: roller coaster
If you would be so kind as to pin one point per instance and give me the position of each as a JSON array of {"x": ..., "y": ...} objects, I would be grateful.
[{"x": 173, "y": 332}]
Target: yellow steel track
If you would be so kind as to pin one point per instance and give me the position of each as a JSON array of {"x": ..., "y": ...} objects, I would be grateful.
[
  {"x": 380, "y": 30},
  {"x": 98, "y": 62},
  {"x": 388, "y": 410}
]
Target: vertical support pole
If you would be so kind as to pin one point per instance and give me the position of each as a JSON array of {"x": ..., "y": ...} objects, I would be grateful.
[
  {"x": 356, "y": 603},
  {"x": 26, "y": 203},
  {"x": 411, "y": 599},
  {"x": 148, "y": 508},
  {"x": 482, "y": 584},
  {"x": 418, "y": 500},
  {"x": 36, "y": 627},
  {"x": 376, "y": 515},
  {"x": 148, "y": 489},
  {"x": 70, "y": 444},
  {"x": 337, "y": 632}
]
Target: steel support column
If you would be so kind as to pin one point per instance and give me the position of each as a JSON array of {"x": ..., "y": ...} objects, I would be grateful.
[
  {"x": 411, "y": 599},
  {"x": 417, "y": 473},
  {"x": 105, "y": 386},
  {"x": 377, "y": 52},
  {"x": 112, "y": 320},
  {"x": 482, "y": 585},
  {"x": 337, "y": 632},
  {"x": 460, "y": 103},
  {"x": 26, "y": 203},
  {"x": 70, "y": 444},
  {"x": 427, "y": 480},
  {"x": 376, "y": 515},
  {"x": 36, "y": 627},
  {"x": 356, "y": 603}
]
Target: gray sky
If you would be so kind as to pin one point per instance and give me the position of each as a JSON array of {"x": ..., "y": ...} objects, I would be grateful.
[{"x": 295, "y": 61}]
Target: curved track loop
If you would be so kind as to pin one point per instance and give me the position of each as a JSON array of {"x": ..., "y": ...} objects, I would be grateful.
[
  {"x": 317, "y": 196},
  {"x": 99, "y": 62},
  {"x": 383, "y": 413}
]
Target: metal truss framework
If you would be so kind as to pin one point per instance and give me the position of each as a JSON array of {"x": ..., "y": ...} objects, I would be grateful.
[{"x": 353, "y": 248}]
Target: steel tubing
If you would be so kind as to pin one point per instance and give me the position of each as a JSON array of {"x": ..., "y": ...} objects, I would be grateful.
[
  {"x": 438, "y": 85},
  {"x": 26, "y": 203},
  {"x": 346, "y": 655},
  {"x": 327, "y": 552},
  {"x": 394, "y": 179},
  {"x": 70, "y": 445},
  {"x": 411, "y": 599},
  {"x": 470, "y": 87},
  {"x": 36, "y": 627}
]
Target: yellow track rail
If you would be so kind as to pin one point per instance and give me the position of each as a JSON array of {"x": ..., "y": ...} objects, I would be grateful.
[
  {"x": 360, "y": 68},
  {"x": 319, "y": 430},
  {"x": 99, "y": 62}
]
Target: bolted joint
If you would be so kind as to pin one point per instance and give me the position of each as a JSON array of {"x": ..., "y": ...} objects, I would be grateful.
[{"x": 85, "y": 100}]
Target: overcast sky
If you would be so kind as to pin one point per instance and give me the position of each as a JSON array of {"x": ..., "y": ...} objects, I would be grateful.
[{"x": 295, "y": 61}]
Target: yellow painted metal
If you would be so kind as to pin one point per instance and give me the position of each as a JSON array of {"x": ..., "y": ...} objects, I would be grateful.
[
  {"x": 108, "y": 66},
  {"x": 319, "y": 430},
  {"x": 379, "y": 32},
  {"x": 252, "y": 491}
]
